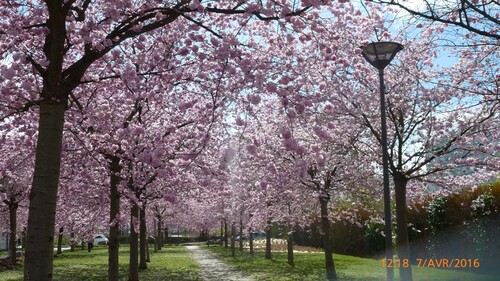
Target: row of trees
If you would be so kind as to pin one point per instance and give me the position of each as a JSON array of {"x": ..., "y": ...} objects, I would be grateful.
[{"x": 250, "y": 113}]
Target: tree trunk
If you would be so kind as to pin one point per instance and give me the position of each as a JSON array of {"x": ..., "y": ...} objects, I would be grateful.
[
  {"x": 331, "y": 273},
  {"x": 133, "y": 269},
  {"x": 165, "y": 237},
  {"x": 147, "y": 253},
  {"x": 143, "y": 239},
  {"x": 12, "y": 232},
  {"x": 250, "y": 243},
  {"x": 241, "y": 236},
  {"x": 155, "y": 229},
  {"x": 289, "y": 241},
  {"x": 23, "y": 239},
  {"x": 59, "y": 240},
  {"x": 225, "y": 234},
  {"x": 221, "y": 233},
  {"x": 43, "y": 197},
  {"x": 114, "y": 227},
  {"x": 402, "y": 239},
  {"x": 268, "y": 240},
  {"x": 72, "y": 241},
  {"x": 233, "y": 241},
  {"x": 159, "y": 231},
  {"x": 289, "y": 246}
]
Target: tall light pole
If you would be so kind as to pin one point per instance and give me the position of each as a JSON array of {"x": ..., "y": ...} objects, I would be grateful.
[{"x": 380, "y": 54}]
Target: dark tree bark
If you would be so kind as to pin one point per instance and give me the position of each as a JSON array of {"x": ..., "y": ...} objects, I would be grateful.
[
  {"x": 155, "y": 229},
  {"x": 241, "y": 236},
  {"x": 250, "y": 242},
  {"x": 114, "y": 227},
  {"x": 233, "y": 244},
  {"x": 402, "y": 239},
  {"x": 221, "y": 233},
  {"x": 225, "y": 234},
  {"x": 23, "y": 239},
  {"x": 159, "y": 233},
  {"x": 133, "y": 269},
  {"x": 143, "y": 239},
  {"x": 72, "y": 241},
  {"x": 13, "y": 205},
  {"x": 331, "y": 273},
  {"x": 59, "y": 240},
  {"x": 289, "y": 241},
  {"x": 43, "y": 197},
  {"x": 147, "y": 253},
  {"x": 268, "y": 240}
]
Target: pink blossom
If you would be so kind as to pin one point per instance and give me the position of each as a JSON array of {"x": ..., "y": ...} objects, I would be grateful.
[
  {"x": 292, "y": 113},
  {"x": 170, "y": 198},
  {"x": 186, "y": 105},
  {"x": 252, "y": 149},
  {"x": 290, "y": 144},
  {"x": 138, "y": 131},
  {"x": 321, "y": 134},
  {"x": 270, "y": 168},
  {"x": 300, "y": 108},
  {"x": 301, "y": 168},
  {"x": 263, "y": 185},
  {"x": 271, "y": 87},
  {"x": 254, "y": 99},
  {"x": 240, "y": 121},
  {"x": 286, "y": 134},
  {"x": 300, "y": 150},
  {"x": 320, "y": 160},
  {"x": 108, "y": 43}
]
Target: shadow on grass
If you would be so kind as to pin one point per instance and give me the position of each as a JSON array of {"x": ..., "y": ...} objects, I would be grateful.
[{"x": 171, "y": 263}]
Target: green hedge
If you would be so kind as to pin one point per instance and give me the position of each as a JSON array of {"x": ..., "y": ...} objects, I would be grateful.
[{"x": 463, "y": 225}]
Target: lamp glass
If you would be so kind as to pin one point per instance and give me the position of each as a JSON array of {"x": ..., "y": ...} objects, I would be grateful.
[{"x": 380, "y": 54}]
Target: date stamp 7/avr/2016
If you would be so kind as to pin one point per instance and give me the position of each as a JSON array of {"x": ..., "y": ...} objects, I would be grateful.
[{"x": 432, "y": 262}]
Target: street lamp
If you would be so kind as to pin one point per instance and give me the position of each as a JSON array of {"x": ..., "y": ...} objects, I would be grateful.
[{"x": 380, "y": 54}]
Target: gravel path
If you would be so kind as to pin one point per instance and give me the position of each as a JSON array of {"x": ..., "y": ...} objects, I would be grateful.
[{"x": 213, "y": 268}]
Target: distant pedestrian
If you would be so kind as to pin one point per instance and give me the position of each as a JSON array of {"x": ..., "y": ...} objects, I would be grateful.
[{"x": 90, "y": 245}]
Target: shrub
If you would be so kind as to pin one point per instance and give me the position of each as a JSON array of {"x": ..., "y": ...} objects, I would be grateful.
[{"x": 373, "y": 239}]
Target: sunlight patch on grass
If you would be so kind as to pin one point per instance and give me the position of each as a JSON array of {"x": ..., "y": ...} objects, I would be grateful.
[{"x": 311, "y": 266}]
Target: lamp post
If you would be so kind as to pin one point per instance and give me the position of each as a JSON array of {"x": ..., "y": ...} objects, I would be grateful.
[{"x": 380, "y": 54}]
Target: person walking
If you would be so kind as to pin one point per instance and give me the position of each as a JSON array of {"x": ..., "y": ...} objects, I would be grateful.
[{"x": 90, "y": 244}]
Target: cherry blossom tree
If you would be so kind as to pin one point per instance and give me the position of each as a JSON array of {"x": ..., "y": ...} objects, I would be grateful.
[
  {"x": 140, "y": 88},
  {"x": 474, "y": 16},
  {"x": 441, "y": 130},
  {"x": 17, "y": 160},
  {"x": 14, "y": 183},
  {"x": 442, "y": 124},
  {"x": 55, "y": 46}
]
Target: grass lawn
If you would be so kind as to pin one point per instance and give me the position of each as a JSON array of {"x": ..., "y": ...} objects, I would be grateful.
[
  {"x": 171, "y": 263},
  {"x": 310, "y": 266}
]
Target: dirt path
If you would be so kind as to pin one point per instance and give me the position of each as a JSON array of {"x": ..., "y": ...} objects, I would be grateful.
[{"x": 213, "y": 268}]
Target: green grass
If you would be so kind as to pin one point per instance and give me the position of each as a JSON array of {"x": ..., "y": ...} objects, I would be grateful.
[
  {"x": 310, "y": 266},
  {"x": 171, "y": 263}
]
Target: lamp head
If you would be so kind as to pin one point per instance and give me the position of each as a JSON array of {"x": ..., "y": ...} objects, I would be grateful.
[{"x": 380, "y": 54}]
